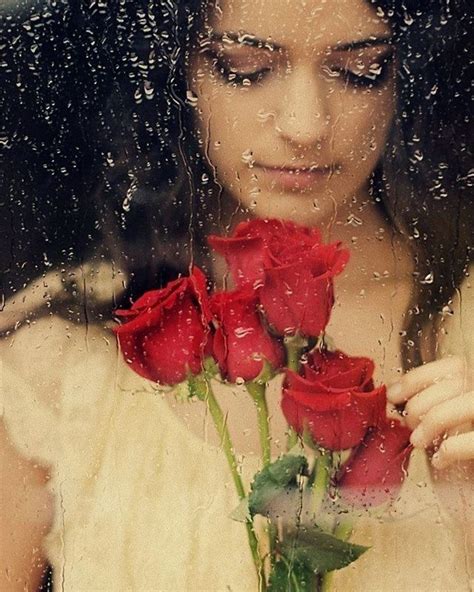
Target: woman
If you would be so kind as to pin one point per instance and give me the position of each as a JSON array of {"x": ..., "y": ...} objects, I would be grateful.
[{"x": 308, "y": 114}]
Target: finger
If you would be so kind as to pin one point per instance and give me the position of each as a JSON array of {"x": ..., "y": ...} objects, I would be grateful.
[
  {"x": 419, "y": 405},
  {"x": 454, "y": 449},
  {"x": 422, "y": 377},
  {"x": 441, "y": 418}
]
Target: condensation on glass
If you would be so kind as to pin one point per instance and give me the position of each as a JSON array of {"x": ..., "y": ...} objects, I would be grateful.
[{"x": 130, "y": 132}]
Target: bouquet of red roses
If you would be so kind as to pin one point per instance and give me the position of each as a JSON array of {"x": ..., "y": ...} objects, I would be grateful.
[{"x": 274, "y": 322}]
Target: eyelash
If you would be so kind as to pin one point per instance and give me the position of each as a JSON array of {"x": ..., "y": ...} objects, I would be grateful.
[
  {"x": 234, "y": 77},
  {"x": 356, "y": 80},
  {"x": 374, "y": 81}
]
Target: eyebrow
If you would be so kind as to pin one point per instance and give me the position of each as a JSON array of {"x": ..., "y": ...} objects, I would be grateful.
[
  {"x": 249, "y": 39},
  {"x": 245, "y": 39},
  {"x": 369, "y": 42}
]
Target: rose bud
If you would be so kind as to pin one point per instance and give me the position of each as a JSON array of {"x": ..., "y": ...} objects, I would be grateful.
[
  {"x": 166, "y": 332},
  {"x": 291, "y": 269},
  {"x": 298, "y": 294},
  {"x": 375, "y": 471},
  {"x": 254, "y": 244},
  {"x": 334, "y": 400},
  {"x": 241, "y": 343}
]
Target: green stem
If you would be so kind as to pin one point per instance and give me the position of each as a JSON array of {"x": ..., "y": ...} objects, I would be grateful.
[
  {"x": 342, "y": 531},
  {"x": 226, "y": 443},
  {"x": 221, "y": 425},
  {"x": 292, "y": 438},
  {"x": 294, "y": 346},
  {"x": 257, "y": 392},
  {"x": 322, "y": 472}
]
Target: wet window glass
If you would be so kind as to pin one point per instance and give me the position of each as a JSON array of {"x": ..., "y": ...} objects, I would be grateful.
[{"x": 236, "y": 304}]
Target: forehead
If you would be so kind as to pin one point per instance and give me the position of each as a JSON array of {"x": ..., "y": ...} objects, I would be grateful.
[{"x": 299, "y": 24}]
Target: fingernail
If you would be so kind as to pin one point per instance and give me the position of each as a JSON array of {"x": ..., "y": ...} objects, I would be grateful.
[{"x": 394, "y": 391}]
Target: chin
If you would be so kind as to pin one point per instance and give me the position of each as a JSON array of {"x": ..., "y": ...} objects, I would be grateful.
[{"x": 303, "y": 209}]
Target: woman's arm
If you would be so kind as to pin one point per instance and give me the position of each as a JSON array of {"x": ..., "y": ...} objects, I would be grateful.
[{"x": 26, "y": 512}]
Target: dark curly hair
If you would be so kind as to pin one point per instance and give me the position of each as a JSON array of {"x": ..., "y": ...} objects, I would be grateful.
[{"x": 101, "y": 162}]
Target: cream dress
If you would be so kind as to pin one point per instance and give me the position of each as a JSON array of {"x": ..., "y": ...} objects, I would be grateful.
[{"x": 141, "y": 504}]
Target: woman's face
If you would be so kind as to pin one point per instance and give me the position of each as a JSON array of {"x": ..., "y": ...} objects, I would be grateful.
[{"x": 294, "y": 102}]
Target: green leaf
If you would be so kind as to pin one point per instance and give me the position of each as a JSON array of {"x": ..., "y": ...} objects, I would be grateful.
[
  {"x": 329, "y": 343},
  {"x": 241, "y": 512},
  {"x": 182, "y": 392},
  {"x": 198, "y": 387},
  {"x": 211, "y": 368},
  {"x": 273, "y": 479},
  {"x": 319, "y": 551},
  {"x": 287, "y": 577}
]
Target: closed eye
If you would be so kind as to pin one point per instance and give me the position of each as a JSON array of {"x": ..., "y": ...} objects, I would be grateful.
[
  {"x": 239, "y": 70},
  {"x": 238, "y": 77},
  {"x": 360, "y": 75}
]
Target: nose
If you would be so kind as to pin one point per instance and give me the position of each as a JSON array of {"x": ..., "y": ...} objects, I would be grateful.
[{"x": 303, "y": 117}]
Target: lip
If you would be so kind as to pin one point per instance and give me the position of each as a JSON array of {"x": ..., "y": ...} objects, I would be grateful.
[{"x": 298, "y": 178}]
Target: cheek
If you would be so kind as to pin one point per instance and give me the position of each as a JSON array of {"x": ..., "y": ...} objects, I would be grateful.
[
  {"x": 363, "y": 123},
  {"x": 226, "y": 124}
]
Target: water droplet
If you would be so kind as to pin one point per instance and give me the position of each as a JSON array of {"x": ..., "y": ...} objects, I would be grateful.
[
  {"x": 191, "y": 98},
  {"x": 138, "y": 96},
  {"x": 149, "y": 89},
  {"x": 247, "y": 157},
  {"x": 375, "y": 69},
  {"x": 331, "y": 72},
  {"x": 418, "y": 154},
  {"x": 428, "y": 279},
  {"x": 4, "y": 141},
  {"x": 264, "y": 115},
  {"x": 353, "y": 220},
  {"x": 241, "y": 332}
]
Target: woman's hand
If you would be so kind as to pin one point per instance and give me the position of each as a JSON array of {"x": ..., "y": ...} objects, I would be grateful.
[{"x": 439, "y": 408}]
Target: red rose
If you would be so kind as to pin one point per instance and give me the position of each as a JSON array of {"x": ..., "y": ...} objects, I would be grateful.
[
  {"x": 166, "y": 331},
  {"x": 241, "y": 342},
  {"x": 376, "y": 469},
  {"x": 291, "y": 269},
  {"x": 335, "y": 399},
  {"x": 298, "y": 292},
  {"x": 254, "y": 244}
]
